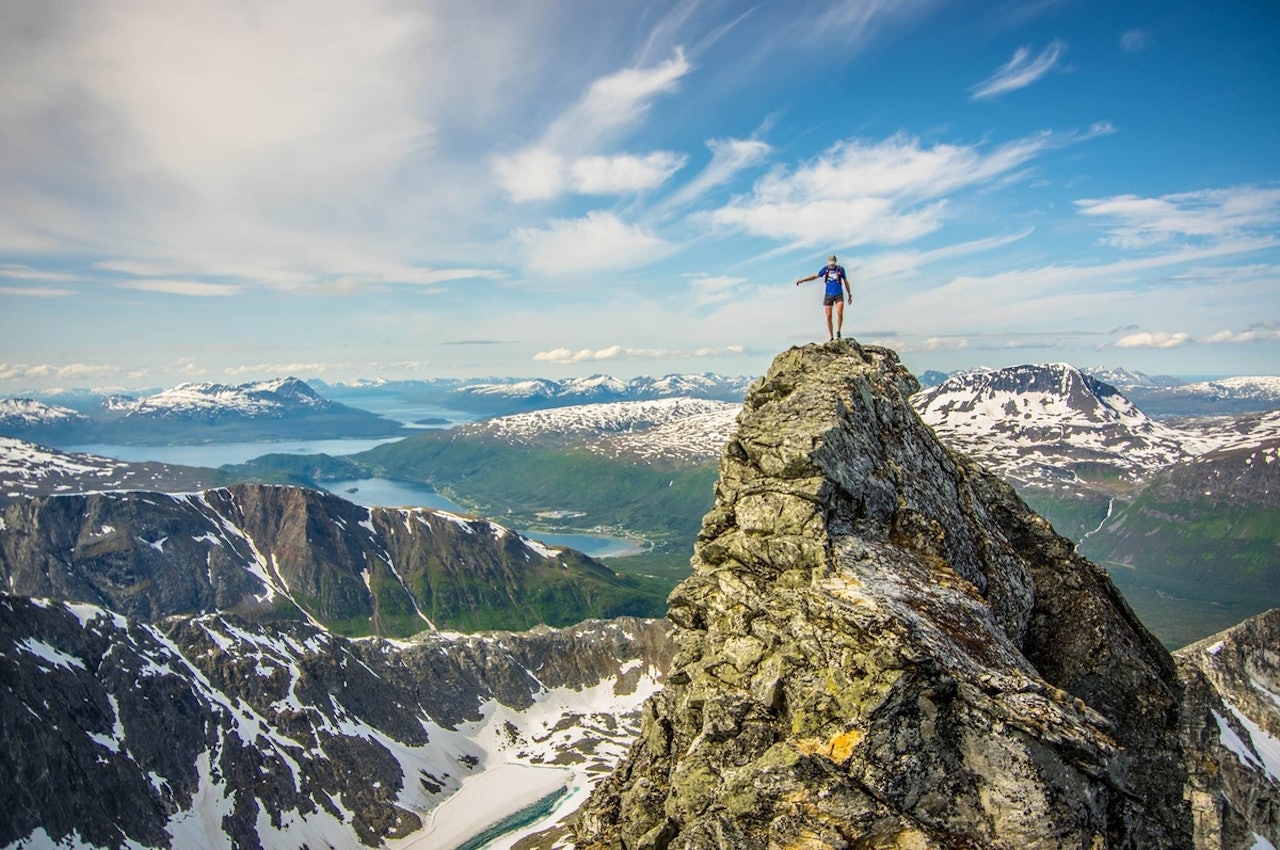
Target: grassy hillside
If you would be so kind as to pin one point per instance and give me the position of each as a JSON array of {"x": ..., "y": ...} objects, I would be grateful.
[
  {"x": 1199, "y": 548},
  {"x": 517, "y": 484}
]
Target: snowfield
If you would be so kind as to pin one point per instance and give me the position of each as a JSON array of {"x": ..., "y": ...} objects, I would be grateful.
[
  {"x": 263, "y": 398},
  {"x": 1045, "y": 424},
  {"x": 27, "y": 413},
  {"x": 678, "y": 428}
]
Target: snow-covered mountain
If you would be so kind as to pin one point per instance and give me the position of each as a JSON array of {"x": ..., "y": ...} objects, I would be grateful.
[
  {"x": 545, "y": 392},
  {"x": 262, "y": 399},
  {"x": 27, "y": 469},
  {"x": 283, "y": 408},
  {"x": 21, "y": 413},
  {"x": 1048, "y": 424},
  {"x": 1254, "y": 388},
  {"x": 1128, "y": 379},
  {"x": 216, "y": 732},
  {"x": 686, "y": 428}
]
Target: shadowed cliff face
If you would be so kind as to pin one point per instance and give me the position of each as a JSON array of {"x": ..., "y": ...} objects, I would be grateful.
[
  {"x": 270, "y": 552},
  {"x": 882, "y": 646},
  {"x": 1231, "y": 727}
]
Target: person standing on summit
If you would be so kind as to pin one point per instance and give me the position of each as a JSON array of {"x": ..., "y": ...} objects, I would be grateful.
[{"x": 833, "y": 274}]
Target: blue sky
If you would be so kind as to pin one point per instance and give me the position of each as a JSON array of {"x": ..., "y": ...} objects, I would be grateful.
[{"x": 199, "y": 191}]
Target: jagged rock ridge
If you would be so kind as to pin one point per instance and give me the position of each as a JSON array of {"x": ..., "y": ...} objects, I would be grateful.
[
  {"x": 882, "y": 646},
  {"x": 1231, "y": 723}
]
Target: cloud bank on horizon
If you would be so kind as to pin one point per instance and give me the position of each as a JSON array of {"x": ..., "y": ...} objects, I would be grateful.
[{"x": 197, "y": 191}]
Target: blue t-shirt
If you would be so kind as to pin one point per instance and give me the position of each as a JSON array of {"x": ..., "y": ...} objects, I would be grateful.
[{"x": 832, "y": 275}]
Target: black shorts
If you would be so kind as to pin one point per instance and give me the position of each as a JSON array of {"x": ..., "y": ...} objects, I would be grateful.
[{"x": 828, "y": 300}]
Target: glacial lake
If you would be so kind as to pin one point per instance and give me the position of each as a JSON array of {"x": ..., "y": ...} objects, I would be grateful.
[
  {"x": 371, "y": 492},
  {"x": 385, "y": 493}
]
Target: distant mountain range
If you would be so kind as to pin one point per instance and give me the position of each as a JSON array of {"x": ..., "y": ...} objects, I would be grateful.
[
  {"x": 286, "y": 408},
  {"x": 671, "y": 428},
  {"x": 180, "y": 670}
]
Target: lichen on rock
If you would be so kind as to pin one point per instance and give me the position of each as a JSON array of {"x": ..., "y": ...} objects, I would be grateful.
[{"x": 882, "y": 646}]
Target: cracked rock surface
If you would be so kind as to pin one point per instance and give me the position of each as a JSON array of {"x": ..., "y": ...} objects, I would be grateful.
[{"x": 882, "y": 646}]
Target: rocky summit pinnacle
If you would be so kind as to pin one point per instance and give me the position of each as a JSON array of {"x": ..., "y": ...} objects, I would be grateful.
[{"x": 882, "y": 646}]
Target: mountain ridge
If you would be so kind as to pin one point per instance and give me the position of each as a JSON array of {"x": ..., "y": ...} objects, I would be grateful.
[
  {"x": 881, "y": 645},
  {"x": 273, "y": 552}
]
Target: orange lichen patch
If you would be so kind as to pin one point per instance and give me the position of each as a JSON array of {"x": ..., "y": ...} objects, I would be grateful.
[{"x": 838, "y": 749}]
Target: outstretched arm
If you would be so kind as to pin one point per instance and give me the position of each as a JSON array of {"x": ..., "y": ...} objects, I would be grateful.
[{"x": 805, "y": 279}]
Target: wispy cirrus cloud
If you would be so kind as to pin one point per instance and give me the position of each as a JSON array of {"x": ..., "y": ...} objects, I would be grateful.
[
  {"x": 13, "y": 372},
  {"x": 36, "y": 291},
  {"x": 540, "y": 174},
  {"x": 1020, "y": 71},
  {"x": 729, "y": 157},
  {"x": 866, "y": 192},
  {"x": 189, "y": 288},
  {"x": 569, "y": 155},
  {"x": 1206, "y": 216}
]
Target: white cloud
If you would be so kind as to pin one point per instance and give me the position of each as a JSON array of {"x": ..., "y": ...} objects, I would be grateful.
[
  {"x": 36, "y": 291},
  {"x": 614, "y": 103},
  {"x": 192, "y": 288},
  {"x": 728, "y": 158},
  {"x": 1154, "y": 340},
  {"x": 280, "y": 369},
  {"x": 1261, "y": 332},
  {"x": 713, "y": 289},
  {"x": 860, "y": 192},
  {"x": 618, "y": 352},
  {"x": 15, "y": 271},
  {"x": 1019, "y": 72},
  {"x": 1210, "y": 215},
  {"x": 533, "y": 174},
  {"x": 616, "y": 175},
  {"x": 567, "y": 158},
  {"x": 1135, "y": 40},
  {"x": 598, "y": 242},
  {"x": 45, "y": 371}
]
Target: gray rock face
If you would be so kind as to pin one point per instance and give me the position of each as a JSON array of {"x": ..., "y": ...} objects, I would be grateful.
[
  {"x": 1231, "y": 724},
  {"x": 216, "y": 731},
  {"x": 882, "y": 646},
  {"x": 272, "y": 552}
]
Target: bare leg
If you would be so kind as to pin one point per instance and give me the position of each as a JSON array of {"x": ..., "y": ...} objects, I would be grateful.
[
  {"x": 839, "y": 317},
  {"x": 827, "y": 310}
]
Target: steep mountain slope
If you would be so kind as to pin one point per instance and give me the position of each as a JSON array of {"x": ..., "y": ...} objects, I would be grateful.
[
  {"x": 215, "y": 732},
  {"x": 269, "y": 552},
  {"x": 22, "y": 413},
  {"x": 881, "y": 646},
  {"x": 30, "y": 470},
  {"x": 1198, "y": 548},
  {"x": 1048, "y": 425},
  {"x": 1231, "y": 718}
]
